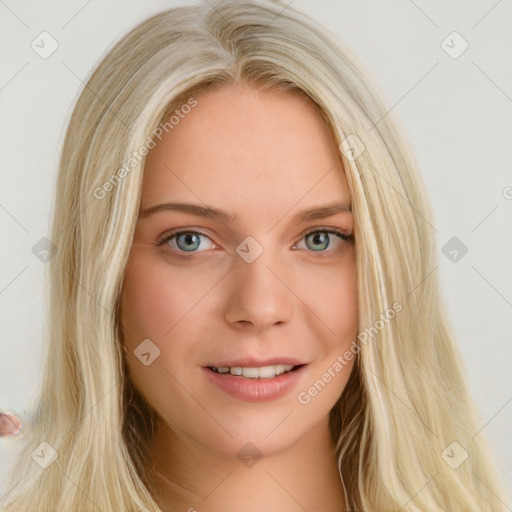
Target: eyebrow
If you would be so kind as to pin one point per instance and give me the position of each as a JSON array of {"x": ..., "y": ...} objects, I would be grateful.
[{"x": 317, "y": 212}]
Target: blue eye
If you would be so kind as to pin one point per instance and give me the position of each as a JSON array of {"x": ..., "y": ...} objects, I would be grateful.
[
  {"x": 188, "y": 241},
  {"x": 193, "y": 241},
  {"x": 184, "y": 241},
  {"x": 319, "y": 241}
]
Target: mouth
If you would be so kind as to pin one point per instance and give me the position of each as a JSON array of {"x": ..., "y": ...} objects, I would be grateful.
[
  {"x": 253, "y": 381},
  {"x": 256, "y": 372}
]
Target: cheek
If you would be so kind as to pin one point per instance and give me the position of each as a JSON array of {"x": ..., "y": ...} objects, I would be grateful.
[
  {"x": 154, "y": 300},
  {"x": 155, "y": 297},
  {"x": 163, "y": 303},
  {"x": 333, "y": 298},
  {"x": 144, "y": 300},
  {"x": 334, "y": 302}
]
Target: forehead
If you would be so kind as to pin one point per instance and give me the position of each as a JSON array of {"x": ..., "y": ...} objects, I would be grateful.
[{"x": 240, "y": 145}]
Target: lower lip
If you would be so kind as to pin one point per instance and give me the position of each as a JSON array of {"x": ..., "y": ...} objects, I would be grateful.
[{"x": 256, "y": 390}]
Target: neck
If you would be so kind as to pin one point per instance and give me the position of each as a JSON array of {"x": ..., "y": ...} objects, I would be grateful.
[{"x": 194, "y": 477}]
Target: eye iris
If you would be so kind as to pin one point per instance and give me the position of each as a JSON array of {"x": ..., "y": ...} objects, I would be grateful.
[
  {"x": 188, "y": 238},
  {"x": 320, "y": 240}
]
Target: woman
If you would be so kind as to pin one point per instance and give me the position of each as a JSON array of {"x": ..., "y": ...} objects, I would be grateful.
[{"x": 244, "y": 312}]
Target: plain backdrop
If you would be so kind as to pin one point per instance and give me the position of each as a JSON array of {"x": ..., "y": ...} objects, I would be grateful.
[{"x": 455, "y": 107}]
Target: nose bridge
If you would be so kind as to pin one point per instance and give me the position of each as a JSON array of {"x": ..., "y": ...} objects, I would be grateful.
[{"x": 257, "y": 295}]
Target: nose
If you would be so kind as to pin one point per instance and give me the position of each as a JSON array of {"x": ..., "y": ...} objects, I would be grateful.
[{"x": 258, "y": 296}]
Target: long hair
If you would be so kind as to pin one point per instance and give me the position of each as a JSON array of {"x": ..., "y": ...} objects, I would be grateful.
[{"x": 405, "y": 414}]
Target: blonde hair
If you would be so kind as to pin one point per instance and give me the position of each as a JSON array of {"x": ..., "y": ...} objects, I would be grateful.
[{"x": 406, "y": 399}]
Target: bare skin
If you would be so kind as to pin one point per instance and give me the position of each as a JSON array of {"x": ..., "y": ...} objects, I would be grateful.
[
  {"x": 266, "y": 157},
  {"x": 9, "y": 424}
]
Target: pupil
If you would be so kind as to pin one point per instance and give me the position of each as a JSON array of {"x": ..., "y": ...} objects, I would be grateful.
[
  {"x": 188, "y": 238},
  {"x": 321, "y": 239}
]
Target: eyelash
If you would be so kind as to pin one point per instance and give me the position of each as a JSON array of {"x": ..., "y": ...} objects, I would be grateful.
[{"x": 165, "y": 238}]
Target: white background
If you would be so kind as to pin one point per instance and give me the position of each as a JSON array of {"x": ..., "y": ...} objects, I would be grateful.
[{"x": 457, "y": 114}]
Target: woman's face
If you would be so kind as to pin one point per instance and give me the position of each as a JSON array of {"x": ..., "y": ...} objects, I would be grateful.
[{"x": 263, "y": 276}]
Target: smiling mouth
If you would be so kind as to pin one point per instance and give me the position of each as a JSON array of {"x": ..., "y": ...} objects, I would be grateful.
[{"x": 261, "y": 372}]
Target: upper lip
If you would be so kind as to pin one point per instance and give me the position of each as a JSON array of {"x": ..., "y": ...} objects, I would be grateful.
[{"x": 249, "y": 362}]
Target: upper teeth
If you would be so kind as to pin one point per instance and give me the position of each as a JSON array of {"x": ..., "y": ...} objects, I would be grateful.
[{"x": 263, "y": 372}]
